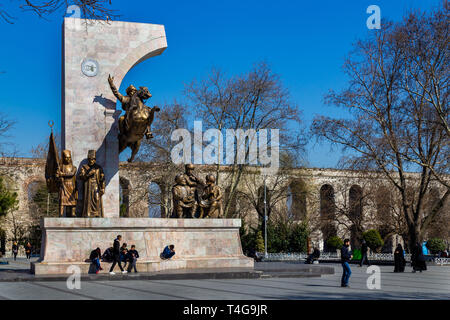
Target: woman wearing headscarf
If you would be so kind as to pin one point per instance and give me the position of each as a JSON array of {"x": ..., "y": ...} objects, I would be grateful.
[{"x": 399, "y": 259}]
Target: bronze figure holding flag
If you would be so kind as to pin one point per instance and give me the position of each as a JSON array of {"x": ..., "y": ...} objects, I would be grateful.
[
  {"x": 68, "y": 194},
  {"x": 61, "y": 178}
]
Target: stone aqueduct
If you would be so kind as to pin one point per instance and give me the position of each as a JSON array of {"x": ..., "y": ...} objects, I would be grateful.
[{"x": 324, "y": 185}]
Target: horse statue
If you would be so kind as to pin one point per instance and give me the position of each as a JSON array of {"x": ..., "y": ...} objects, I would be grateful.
[{"x": 137, "y": 120}]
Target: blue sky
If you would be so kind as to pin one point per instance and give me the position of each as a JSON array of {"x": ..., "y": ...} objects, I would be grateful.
[{"x": 305, "y": 42}]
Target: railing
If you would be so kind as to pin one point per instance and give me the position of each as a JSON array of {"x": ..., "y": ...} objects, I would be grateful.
[
  {"x": 296, "y": 256},
  {"x": 442, "y": 261}
]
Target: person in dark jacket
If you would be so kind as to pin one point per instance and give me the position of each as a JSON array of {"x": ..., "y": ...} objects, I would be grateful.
[
  {"x": 116, "y": 255},
  {"x": 169, "y": 252},
  {"x": 108, "y": 255},
  {"x": 418, "y": 259},
  {"x": 124, "y": 254},
  {"x": 28, "y": 250},
  {"x": 364, "y": 254},
  {"x": 313, "y": 256},
  {"x": 399, "y": 259},
  {"x": 15, "y": 250},
  {"x": 133, "y": 255},
  {"x": 95, "y": 259},
  {"x": 346, "y": 256}
]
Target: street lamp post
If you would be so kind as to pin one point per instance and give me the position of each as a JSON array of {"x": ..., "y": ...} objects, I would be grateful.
[{"x": 265, "y": 219}]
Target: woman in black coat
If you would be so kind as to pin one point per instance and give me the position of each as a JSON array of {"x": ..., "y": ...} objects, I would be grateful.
[{"x": 399, "y": 259}]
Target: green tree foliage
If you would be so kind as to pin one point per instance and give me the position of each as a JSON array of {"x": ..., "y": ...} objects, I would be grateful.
[
  {"x": 259, "y": 242},
  {"x": 8, "y": 199},
  {"x": 298, "y": 238},
  {"x": 278, "y": 232},
  {"x": 334, "y": 242},
  {"x": 373, "y": 239},
  {"x": 282, "y": 236},
  {"x": 436, "y": 245}
]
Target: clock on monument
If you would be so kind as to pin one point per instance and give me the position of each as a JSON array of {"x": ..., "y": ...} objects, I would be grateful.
[{"x": 89, "y": 67}]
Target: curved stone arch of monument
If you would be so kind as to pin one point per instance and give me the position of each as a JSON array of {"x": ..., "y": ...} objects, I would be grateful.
[
  {"x": 139, "y": 54},
  {"x": 89, "y": 115}
]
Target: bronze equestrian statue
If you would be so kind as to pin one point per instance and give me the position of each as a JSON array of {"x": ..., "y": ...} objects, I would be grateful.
[{"x": 138, "y": 117}]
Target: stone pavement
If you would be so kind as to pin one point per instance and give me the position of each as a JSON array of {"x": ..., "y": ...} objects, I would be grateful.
[
  {"x": 20, "y": 271},
  {"x": 431, "y": 284}
]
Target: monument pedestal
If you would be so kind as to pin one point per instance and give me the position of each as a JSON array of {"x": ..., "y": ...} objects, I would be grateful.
[{"x": 199, "y": 243}]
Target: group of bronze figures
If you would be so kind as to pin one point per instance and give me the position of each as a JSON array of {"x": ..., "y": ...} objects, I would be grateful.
[
  {"x": 192, "y": 196},
  {"x": 195, "y": 198},
  {"x": 64, "y": 179}
]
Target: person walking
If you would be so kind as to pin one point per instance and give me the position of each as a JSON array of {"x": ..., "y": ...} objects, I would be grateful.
[
  {"x": 133, "y": 255},
  {"x": 116, "y": 256},
  {"x": 345, "y": 259},
  {"x": 364, "y": 254},
  {"x": 28, "y": 250},
  {"x": 15, "y": 250},
  {"x": 95, "y": 259},
  {"x": 399, "y": 259},
  {"x": 418, "y": 259}
]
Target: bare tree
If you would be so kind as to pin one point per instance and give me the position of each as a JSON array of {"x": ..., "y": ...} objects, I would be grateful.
[
  {"x": 40, "y": 151},
  {"x": 90, "y": 9},
  {"x": 6, "y": 124},
  {"x": 395, "y": 125},
  {"x": 254, "y": 100}
]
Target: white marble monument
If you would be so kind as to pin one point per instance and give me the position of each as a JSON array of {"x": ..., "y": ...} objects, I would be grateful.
[
  {"x": 91, "y": 52},
  {"x": 89, "y": 121}
]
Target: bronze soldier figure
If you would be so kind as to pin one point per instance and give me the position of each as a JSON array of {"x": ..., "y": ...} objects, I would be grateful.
[
  {"x": 125, "y": 100},
  {"x": 94, "y": 187},
  {"x": 68, "y": 194},
  {"x": 137, "y": 120},
  {"x": 211, "y": 202},
  {"x": 184, "y": 204}
]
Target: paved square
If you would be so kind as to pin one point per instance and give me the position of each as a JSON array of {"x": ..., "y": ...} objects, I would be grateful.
[{"x": 431, "y": 284}]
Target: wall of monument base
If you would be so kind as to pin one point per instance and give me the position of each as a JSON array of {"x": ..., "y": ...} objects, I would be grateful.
[
  {"x": 199, "y": 243},
  {"x": 40, "y": 268}
]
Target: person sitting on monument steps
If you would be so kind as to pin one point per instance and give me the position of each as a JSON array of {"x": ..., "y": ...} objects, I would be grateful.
[
  {"x": 184, "y": 204},
  {"x": 116, "y": 255},
  {"x": 108, "y": 255},
  {"x": 133, "y": 255},
  {"x": 124, "y": 254},
  {"x": 95, "y": 259},
  {"x": 168, "y": 252}
]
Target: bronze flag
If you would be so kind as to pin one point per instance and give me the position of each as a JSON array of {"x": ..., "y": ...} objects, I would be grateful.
[{"x": 52, "y": 166}]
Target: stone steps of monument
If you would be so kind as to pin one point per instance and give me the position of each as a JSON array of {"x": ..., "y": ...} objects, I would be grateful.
[{"x": 168, "y": 275}]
